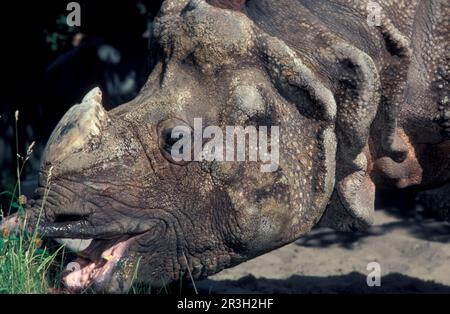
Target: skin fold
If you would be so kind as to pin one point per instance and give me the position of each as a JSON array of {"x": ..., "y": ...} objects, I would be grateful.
[{"x": 358, "y": 106}]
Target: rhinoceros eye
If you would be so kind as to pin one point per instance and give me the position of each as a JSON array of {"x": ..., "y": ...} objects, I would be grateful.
[{"x": 173, "y": 132}]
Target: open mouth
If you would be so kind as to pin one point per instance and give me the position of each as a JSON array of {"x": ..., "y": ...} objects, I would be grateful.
[
  {"x": 95, "y": 266},
  {"x": 106, "y": 258}
]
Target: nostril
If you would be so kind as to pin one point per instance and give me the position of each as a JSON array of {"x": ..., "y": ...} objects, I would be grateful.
[{"x": 69, "y": 218}]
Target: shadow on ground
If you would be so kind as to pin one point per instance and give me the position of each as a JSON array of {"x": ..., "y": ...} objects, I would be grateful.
[
  {"x": 350, "y": 283},
  {"x": 426, "y": 229},
  {"x": 416, "y": 223}
]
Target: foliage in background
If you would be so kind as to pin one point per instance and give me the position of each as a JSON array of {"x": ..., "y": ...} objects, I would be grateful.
[{"x": 62, "y": 34}]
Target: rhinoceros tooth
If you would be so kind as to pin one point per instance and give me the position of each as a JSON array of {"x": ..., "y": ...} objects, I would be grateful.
[
  {"x": 80, "y": 124},
  {"x": 75, "y": 245}
]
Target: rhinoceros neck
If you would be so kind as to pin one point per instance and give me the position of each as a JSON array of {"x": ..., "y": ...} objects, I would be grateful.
[{"x": 412, "y": 77}]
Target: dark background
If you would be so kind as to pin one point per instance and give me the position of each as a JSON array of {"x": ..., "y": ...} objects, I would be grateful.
[{"x": 46, "y": 68}]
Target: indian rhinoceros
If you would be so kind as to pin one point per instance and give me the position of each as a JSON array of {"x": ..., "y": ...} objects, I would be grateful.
[{"x": 361, "y": 103}]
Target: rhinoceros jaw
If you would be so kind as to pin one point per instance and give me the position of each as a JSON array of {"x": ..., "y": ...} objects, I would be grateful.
[{"x": 81, "y": 124}]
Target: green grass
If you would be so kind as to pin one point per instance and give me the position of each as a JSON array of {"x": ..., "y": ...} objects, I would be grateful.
[{"x": 26, "y": 265}]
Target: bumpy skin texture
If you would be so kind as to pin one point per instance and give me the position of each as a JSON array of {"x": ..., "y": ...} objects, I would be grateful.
[{"x": 358, "y": 107}]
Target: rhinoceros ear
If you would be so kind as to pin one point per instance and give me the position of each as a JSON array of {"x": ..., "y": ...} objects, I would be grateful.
[{"x": 351, "y": 108}]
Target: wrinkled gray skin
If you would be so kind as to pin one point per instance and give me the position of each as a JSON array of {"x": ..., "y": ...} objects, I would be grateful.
[{"x": 358, "y": 107}]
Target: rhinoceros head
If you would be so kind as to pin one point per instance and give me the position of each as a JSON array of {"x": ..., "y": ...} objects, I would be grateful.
[{"x": 115, "y": 183}]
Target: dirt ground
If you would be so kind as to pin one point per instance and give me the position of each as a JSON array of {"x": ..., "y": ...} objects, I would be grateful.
[{"x": 413, "y": 252}]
